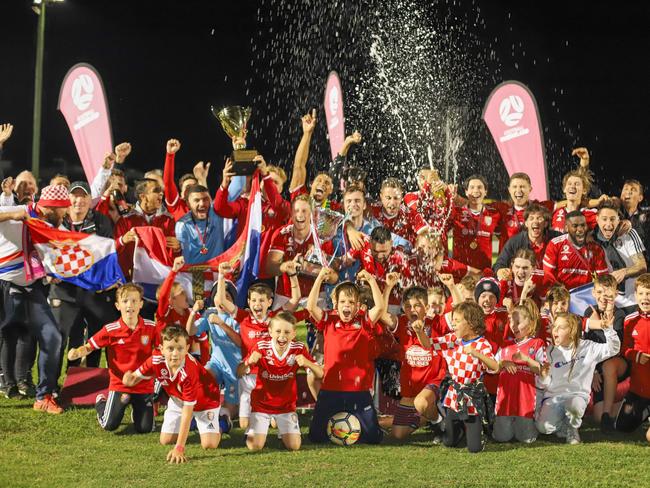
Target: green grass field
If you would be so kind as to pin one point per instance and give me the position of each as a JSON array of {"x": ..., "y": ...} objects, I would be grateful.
[{"x": 71, "y": 450}]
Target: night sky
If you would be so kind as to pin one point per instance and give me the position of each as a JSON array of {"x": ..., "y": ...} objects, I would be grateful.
[{"x": 164, "y": 63}]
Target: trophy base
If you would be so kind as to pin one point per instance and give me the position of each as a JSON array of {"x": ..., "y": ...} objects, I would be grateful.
[{"x": 242, "y": 161}]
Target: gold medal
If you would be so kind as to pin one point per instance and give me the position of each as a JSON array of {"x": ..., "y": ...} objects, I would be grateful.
[{"x": 473, "y": 245}]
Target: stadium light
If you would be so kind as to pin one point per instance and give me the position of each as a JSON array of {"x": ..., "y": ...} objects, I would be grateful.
[{"x": 38, "y": 6}]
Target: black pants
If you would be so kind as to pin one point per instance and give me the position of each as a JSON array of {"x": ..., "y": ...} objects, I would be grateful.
[
  {"x": 80, "y": 320},
  {"x": 639, "y": 409},
  {"x": 358, "y": 403},
  {"x": 454, "y": 427},
  {"x": 111, "y": 411},
  {"x": 17, "y": 354}
]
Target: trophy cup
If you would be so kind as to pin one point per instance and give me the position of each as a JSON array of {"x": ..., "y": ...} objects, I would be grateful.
[{"x": 233, "y": 120}]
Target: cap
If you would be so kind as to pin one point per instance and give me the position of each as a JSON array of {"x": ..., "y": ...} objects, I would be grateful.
[
  {"x": 80, "y": 184},
  {"x": 54, "y": 196},
  {"x": 487, "y": 284}
]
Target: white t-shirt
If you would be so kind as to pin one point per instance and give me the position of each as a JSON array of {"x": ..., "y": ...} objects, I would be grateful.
[{"x": 627, "y": 246}]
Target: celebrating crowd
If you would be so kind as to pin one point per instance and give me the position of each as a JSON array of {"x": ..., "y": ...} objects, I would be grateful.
[{"x": 401, "y": 300}]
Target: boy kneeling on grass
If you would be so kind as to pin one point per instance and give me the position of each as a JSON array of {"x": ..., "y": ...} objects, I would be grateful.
[
  {"x": 276, "y": 390},
  {"x": 128, "y": 342},
  {"x": 349, "y": 351},
  {"x": 192, "y": 390}
]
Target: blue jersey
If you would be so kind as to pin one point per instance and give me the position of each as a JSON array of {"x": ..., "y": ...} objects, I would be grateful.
[
  {"x": 195, "y": 235},
  {"x": 225, "y": 353}
]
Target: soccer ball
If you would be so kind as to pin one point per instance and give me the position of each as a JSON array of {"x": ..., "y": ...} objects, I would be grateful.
[{"x": 343, "y": 429}]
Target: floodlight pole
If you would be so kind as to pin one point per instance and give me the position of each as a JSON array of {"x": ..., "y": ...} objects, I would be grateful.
[{"x": 38, "y": 90}]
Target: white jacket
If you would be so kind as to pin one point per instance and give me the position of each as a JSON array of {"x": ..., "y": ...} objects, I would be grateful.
[{"x": 563, "y": 379}]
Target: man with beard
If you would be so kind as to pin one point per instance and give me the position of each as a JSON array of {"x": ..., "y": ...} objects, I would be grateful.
[
  {"x": 147, "y": 212},
  {"x": 624, "y": 253},
  {"x": 73, "y": 307},
  {"x": 570, "y": 258},
  {"x": 392, "y": 214},
  {"x": 200, "y": 231},
  {"x": 535, "y": 236},
  {"x": 26, "y": 301}
]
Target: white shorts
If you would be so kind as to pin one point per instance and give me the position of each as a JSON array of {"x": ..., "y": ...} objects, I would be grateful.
[
  {"x": 258, "y": 423},
  {"x": 207, "y": 421},
  {"x": 246, "y": 386}
]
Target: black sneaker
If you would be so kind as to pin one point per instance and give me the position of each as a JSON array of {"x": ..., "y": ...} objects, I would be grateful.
[
  {"x": 12, "y": 392},
  {"x": 26, "y": 389},
  {"x": 607, "y": 424}
]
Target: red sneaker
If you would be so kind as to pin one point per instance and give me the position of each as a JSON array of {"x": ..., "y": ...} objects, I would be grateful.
[{"x": 48, "y": 404}]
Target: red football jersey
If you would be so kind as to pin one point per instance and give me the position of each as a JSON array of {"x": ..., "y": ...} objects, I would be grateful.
[
  {"x": 636, "y": 341},
  {"x": 331, "y": 204},
  {"x": 126, "y": 349},
  {"x": 419, "y": 366},
  {"x": 559, "y": 218},
  {"x": 432, "y": 209},
  {"x": 284, "y": 242},
  {"x": 349, "y": 351},
  {"x": 192, "y": 384},
  {"x": 512, "y": 219},
  {"x": 276, "y": 390},
  {"x": 516, "y": 394},
  {"x": 407, "y": 223},
  {"x": 252, "y": 330},
  {"x": 473, "y": 235},
  {"x": 573, "y": 266},
  {"x": 545, "y": 331},
  {"x": 497, "y": 333}
]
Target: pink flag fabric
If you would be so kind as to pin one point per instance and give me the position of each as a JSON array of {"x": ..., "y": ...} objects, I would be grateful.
[
  {"x": 83, "y": 104},
  {"x": 512, "y": 117},
  {"x": 334, "y": 113}
]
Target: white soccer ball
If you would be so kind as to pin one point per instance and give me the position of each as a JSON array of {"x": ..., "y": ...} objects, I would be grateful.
[{"x": 344, "y": 429}]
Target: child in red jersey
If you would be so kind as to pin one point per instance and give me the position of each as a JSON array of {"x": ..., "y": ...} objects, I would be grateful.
[
  {"x": 128, "y": 342},
  {"x": 253, "y": 326},
  {"x": 275, "y": 393},
  {"x": 465, "y": 396},
  {"x": 516, "y": 392},
  {"x": 174, "y": 309},
  {"x": 192, "y": 390},
  {"x": 636, "y": 349},
  {"x": 349, "y": 350},
  {"x": 421, "y": 372}
]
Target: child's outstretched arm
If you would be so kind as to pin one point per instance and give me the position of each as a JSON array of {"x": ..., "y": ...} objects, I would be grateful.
[
  {"x": 312, "y": 300},
  {"x": 375, "y": 313},
  {"x": 177, "y": 453},
  {"x": 131, "y": 379},
  {"x": 165, "y": 289},
  {"x": 303, "y": 362},
  {"x": 79, "y": 352},
  {"x": 448, "y": 280},
  {"x": 214, "y": 318},
  {"x": 534, "y": 365},
  {"x": 221, "y": 299},
  {"x": 191, "y": 327},
  {"x": 292, "y": 304}
]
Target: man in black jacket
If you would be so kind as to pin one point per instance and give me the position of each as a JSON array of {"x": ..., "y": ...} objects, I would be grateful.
[
  {"x": 75, "y": 308},
  {"x": 536, "y": 235}
]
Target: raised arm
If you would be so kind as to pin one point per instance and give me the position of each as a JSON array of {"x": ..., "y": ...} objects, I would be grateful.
[
  {"x": 292, "y": 304},
  {"x": 165, "y": 289},
  {"x": 376, "y": 312},
  {"x": 171, "y": 191},
  {"x": 312, "y": 300},
  {"x": 299, "y": 173},
  {"x": 221, "y": 299}
]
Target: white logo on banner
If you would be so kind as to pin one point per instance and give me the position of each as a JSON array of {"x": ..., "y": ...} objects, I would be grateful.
[
  {"x": 333, "y": 99},
  {"x": 511, "y": 110},
  {"x": 82, "y": 92}
]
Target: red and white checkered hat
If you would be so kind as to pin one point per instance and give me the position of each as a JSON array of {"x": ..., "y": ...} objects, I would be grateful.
[{"x": 54, "y": 196}]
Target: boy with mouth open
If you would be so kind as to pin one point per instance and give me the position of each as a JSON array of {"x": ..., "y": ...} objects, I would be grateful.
[
  {"x": 253, "y": 326},
  {"x": 192, "y": 391},
  {"x": 129, "y": 343},
  {"x": 349, "y": 352},
  {"x": 275, "y": 394}
]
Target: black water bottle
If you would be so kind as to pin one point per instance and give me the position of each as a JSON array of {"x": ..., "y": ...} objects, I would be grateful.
[{"x": 120, "y": 202}]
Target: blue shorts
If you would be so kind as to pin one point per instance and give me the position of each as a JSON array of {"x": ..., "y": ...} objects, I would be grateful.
[
  {"x": 358, "y": 403},
  {"x": 231, "y": 390}
]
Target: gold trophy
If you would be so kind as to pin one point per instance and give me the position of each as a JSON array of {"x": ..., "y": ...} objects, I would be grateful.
[{"x": 233, "y": 120}]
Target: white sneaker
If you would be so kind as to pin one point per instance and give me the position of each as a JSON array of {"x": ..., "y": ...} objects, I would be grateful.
[{"x": 572, "y": 436}]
